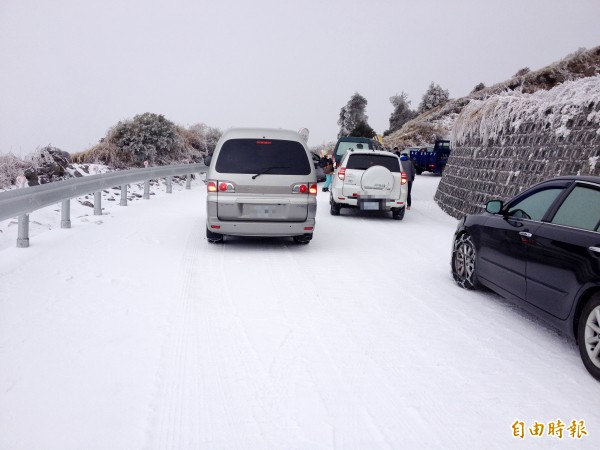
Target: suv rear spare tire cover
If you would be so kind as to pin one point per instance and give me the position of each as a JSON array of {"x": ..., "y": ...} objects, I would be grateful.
[{"x": 377, "y": 178}]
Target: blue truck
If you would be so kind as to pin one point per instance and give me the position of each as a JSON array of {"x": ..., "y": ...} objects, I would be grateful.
[{"x": 429, "y": 159}]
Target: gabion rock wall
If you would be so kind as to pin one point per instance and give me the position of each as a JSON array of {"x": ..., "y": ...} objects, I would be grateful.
[{"x": 500, "y": 164}]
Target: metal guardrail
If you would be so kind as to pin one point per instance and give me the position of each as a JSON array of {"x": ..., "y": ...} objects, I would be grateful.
[{"x": 21, "y": 202}]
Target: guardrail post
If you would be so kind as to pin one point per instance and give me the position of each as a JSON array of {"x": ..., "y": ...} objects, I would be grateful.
[
  {"x": 147, "y": 190},
  {"x": 169, "y": 186},
  {"x": 65, "y": 214},
  {"x": 123, "y": 201},
  {"x": 23, "y": 236},
  {"x": 98, "y": 203},
  {"x": 188, "y": 181}
]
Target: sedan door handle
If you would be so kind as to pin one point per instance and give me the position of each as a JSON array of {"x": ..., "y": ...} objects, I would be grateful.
[
  {"x": 595, "y": 250},
  {"x": 525, "y": 234}
]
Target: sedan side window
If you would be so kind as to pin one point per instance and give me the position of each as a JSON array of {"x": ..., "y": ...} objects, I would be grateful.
[
  {"x": 534, "y": 206},
  {"x": 581, "y": 209}
]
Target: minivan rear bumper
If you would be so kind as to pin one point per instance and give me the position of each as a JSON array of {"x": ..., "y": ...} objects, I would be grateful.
[{"x": 260, "y": 228}]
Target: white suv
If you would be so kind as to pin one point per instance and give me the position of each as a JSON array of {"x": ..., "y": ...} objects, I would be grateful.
[{"x": 370, "y": 180}]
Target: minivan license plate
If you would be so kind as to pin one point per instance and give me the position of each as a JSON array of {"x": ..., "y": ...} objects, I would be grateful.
[{"x": 262, "y": 210}]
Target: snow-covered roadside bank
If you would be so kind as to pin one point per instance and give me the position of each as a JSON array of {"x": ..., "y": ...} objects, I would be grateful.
[{"x": 82, "y": 208}]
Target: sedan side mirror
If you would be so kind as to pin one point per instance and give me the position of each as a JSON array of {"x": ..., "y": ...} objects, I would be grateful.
[{"x": 494, "y": 206}]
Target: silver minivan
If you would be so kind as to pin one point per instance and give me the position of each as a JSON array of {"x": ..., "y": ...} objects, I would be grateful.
[{"x": 261, "y": 182}]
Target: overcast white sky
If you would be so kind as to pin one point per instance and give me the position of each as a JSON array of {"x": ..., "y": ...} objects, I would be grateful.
[{"x": 71, "y": 69}]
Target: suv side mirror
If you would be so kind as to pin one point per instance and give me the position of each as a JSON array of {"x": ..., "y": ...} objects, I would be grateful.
[
  {"x": 494, "y": 206},
  {"x": 207, "y": 160}
]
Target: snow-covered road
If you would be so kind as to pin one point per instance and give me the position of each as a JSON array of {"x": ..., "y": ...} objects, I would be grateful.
[{"x": 131, "y": 331}]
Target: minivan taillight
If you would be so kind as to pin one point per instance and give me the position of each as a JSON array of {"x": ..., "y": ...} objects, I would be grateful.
[
  {"x": 304, "y": 188},
  {"x": 226, "y": 186},
  {"x": 300, "y": 188},
  {"x": 219, "y": 186},
  {"x": 403, "y": 178},
  {"x": 342, "y": 173}
]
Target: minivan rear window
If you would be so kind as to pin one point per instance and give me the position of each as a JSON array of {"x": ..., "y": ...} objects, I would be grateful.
[
  {"x": 272, "y": 156},
  {"x": 363, "y": 161}
]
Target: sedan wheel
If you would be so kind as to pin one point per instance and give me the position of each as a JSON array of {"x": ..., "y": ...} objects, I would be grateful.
[
  {"x": 589, "y": 336},
  {"x": 463, "y": 262}
]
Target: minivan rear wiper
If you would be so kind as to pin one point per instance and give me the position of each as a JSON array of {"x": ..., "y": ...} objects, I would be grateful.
[{"x": 267, "y": 169}]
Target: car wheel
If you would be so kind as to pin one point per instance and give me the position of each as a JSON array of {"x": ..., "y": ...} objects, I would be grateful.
[
  {"x": 464, "y": 258},
  {"x": 213, "y": 238},
  {"x": 335, "y": 207},
  {"x": 588, "y": 336},
  {"x": 398, "y": 213}
]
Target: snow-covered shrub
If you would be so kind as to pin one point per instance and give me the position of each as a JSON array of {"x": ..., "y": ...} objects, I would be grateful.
[
  {"x": 522, "y": 71},
  {"x": 478, "y": 88},
  {"x": 147, "y": 137},
  {"x": 200, "y": 139},
  {"x": 150, "y": 137},
  {"x": 11, "y": 167}
]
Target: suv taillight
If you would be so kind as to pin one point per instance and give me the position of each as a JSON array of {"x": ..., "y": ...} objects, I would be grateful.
[
  {"x": 342, "y": 173},
  {"x": 312, "y": 189},
  {"x": 211, "y": 186},
  {"x": 403, "y": 178}
]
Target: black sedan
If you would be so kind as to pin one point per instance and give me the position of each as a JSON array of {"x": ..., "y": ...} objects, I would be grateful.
[{"x": 541, "y": 250}]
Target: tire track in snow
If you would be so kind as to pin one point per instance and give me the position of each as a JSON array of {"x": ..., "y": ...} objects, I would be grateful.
[
  {"x": 166, "y": 424},
  {"x": 211, "y": 389}
]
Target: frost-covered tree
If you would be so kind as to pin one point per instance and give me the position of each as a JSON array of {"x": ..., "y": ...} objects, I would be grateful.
[
  {"x": 362, "y": 129},
  {"x": 433, "y": 97},
  {"x": 147, "y": 137},
  {"x": 352, "y": 115},
  {"x": 401, "y": 114}
]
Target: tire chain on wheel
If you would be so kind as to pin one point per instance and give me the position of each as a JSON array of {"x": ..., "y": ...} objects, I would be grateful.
[{"x": 465, "y": 281}]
